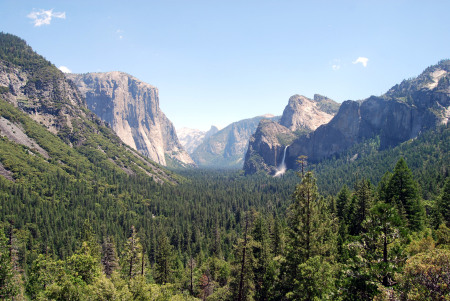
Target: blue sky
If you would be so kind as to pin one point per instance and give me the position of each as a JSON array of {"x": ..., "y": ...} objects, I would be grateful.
[{"x": 216, "y": 62}]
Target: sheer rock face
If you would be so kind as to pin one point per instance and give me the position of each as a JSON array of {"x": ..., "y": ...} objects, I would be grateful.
[
  {"x": 304, "y": 114},
  {"x": 131, "y": 107},
  {"x": 301, "y": 116},
  {"x": 401, "y": 114},
  {"x": 266, "y": 147}
]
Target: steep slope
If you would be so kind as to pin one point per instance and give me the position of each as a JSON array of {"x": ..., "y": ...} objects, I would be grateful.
[
  {"x": 301, "y": 116},
  {"x": 131, "y": 107},
  {"x": 405, "y": 111},
  {"x": 227, "y": 147},
  {"x": 266, "y": 146},
  {"x": 36, "y": 87},
  {"x": 190, "y": 139}
]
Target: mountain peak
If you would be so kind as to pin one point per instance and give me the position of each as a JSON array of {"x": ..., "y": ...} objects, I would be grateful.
[
  {"x": 434, "y": 78},
  {"x": 305, "y": 114}
]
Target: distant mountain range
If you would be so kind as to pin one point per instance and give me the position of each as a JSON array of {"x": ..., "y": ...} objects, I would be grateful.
[
  {"x": 405, "y": 111},
  {"x": 226, "y": 148},
  {"x": 192, "y": 138}
]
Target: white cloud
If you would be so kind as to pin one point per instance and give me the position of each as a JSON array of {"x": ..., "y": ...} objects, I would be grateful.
[
  {"x": 362, "y": 60},
  {"x": 44, "y": 17},
  {"x": 335, "y": 64},
  {"x": 119, "y": 32},
  {"x": 64, "y": 69}
]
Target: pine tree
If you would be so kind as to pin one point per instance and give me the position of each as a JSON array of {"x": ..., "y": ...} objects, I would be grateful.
[
  {"x": 8, "y": 287},
  {"x": 132, "y": 255},
  {"x": 361, "y": 204},
  {"x": 311, "y": 233},
  {"x": 444, "y": 203},
  {"x": 163, "y": 259},
  {"x": 403, "y": 191},
  {"x": 242, "y": 286},
  {"x": 263, "y": 270},
  {"x": 109, "y": 256},
  {"x": 342, "y": 203},
  {"x": 277, "y": 238},
  {"x": 383, "y": 256}
]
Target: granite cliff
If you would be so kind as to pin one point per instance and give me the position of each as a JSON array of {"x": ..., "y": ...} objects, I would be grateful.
[
  {"x": 304, "y": 115},
  {"x": 406, "y": 110},
  {"x": 131, "y": 107},
  {"x": 78, "y": 138},
  {"x": 301, "y": 115}
]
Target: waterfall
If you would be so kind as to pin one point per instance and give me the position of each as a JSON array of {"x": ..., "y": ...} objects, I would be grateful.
[{"x": 282, "y": 168}]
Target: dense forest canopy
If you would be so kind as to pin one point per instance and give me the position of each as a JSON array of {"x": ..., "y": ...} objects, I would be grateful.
[{"x": 222, "y": 235}]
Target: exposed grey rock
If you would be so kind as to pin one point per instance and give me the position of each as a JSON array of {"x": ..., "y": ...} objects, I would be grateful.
[
  {"x": 401, "y": 114},
  {"x": 303, "y": 114},
  {"x": 227, "y": 147},
  {"x": 131, "y": 107},
  {"x": 54, "y": 102},
  {"x": 41, "y": 90},
  {"x": 266, "y": 147}
]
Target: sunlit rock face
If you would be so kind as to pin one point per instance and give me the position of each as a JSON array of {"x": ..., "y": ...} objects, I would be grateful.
[
  {"x": 406, "y": 110},
  {"x": 302, "y": 115},
  {"x": 131, "y": 107}
]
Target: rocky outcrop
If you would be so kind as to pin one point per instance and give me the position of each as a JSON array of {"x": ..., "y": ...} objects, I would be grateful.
[
  {"x": 47, "y": 96},
  {"x": 190, "y": 139},
  {"x": 304, "y": 115},
  {"x": 266, "y": 147},
  {"x": 131, "y": 107},
  {"x": 227, "y": 147},
  {"x": 406, "y": 110}
]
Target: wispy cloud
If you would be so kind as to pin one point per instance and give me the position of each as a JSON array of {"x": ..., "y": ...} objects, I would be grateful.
[
  {"x": 362, "y": 60},
  {"x": 44, "y": 17},
  {"x": 336, "y": 64},
  {"x": 64, "y": 69},
  {"x": 336, "y": 67},
  {"x": 120, "y": 33}
]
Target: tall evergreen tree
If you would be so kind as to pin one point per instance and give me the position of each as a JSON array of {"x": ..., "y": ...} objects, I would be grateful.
[
  {"x": 311, "y": 233},
  {"x": 243, "y": 286},
  {"x": 8, "y": 287},
  {"x": 403, "y": 191},
  {"x": 132, "y": 255},
  {"x": 342, "y": 203},
  {"x": 109, "y": 256},
  {"x": 444, "y": 203},
  {"x": 361, "y": 204},
  {"x": 163, "y": 259},
  {"x": 381, "y": 248},
  {"x": 264, "y": 269}
]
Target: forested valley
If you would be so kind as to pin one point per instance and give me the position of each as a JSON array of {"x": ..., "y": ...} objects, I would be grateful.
[
  {"x": 220, "y": 235},
  {"x": 84, "y": 217}
]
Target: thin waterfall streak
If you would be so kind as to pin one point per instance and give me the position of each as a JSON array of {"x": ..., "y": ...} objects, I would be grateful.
[{"x": 282, "y": 168}]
